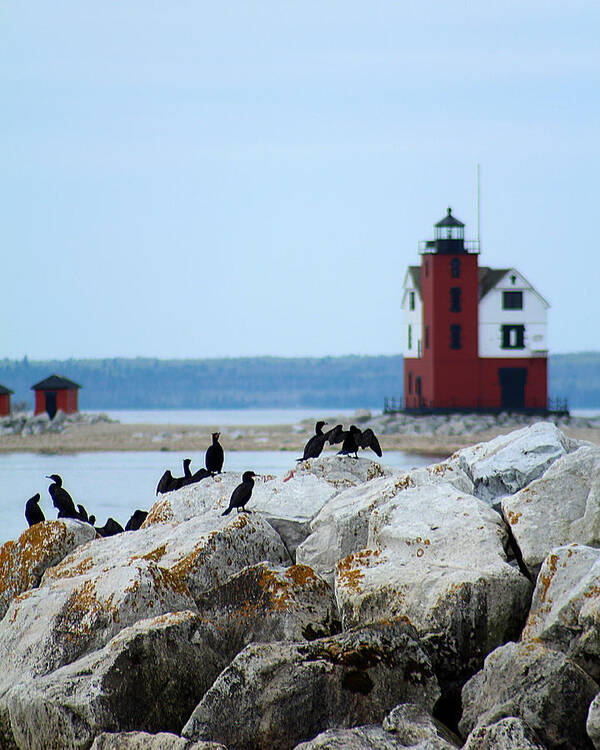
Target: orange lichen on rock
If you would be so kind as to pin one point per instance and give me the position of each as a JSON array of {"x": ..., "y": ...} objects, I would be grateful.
[
  {"x": 350, "y": 569},
  {"x": 546, "y": 580},
  {"x": 513, "y": 517},
  {"x": 161, "y": 512}
]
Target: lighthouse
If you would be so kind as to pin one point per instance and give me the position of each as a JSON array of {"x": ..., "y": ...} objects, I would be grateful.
[{"x": 474, "y": 337}]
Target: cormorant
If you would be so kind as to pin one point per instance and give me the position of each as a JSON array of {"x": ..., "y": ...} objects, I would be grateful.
[
  {"x": 186, "y": 468},
  {"x": 353, "y": 439},
  {"x": 61, "y": 499},
  {"x": 214, "y": 456},
  {"x": 136, "y": 520},
  {"x": 314, "y": 446},
  {"x": 110, "y": 528},
  {"x": 92, "y": 520},
  {"x": 82, "y": 515},
  {"x": 241, "y": 494},
  {"x": 33, "y": 513}
]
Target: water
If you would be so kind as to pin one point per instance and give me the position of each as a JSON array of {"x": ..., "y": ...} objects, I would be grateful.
[
  {"x": 115, "y": 484},
  {"x": 222, "y": 417}
]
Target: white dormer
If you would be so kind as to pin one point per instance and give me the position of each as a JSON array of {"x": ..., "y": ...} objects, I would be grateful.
[
  {"x": 412, "y": 308},
  {"x": 512, "y": 315}
]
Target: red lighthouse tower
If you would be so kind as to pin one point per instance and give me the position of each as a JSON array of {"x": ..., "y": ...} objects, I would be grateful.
[{"x": 446, "y": 375}]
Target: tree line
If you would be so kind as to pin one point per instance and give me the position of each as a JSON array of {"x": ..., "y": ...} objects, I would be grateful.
[{"x": 255, "y": 382}]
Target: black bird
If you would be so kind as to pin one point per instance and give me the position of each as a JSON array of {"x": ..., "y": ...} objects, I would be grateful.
[
  {"x": 82, "y": 515},
  {"x": 136, "y": 520},
  {"x": 61, "y": 499},
  {"x": 33, "y": 513},
  {"x": 92, "y": 520},
  {"x": 198, "y": 475},
  {"x": 110, "y": 528},
  {"x": 214, "y": 456},
  {"x": 241, "y": 494},
  {"x": 353, "y": 439},
  {"x": 186, "y": 468},
  {"x": 165, "y": 483},
  {"x": 315, "y": 445}
]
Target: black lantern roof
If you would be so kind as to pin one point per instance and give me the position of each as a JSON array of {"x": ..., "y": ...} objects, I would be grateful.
[
  {"x": 449, "y": 221},
  {"x": 55, "y": 383}
]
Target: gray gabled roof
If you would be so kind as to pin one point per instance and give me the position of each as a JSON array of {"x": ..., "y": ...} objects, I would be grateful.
[
  {"x": 489, "y": 277},
  {"x": 55, "y": 383},
  {"x": 4, "y": 391},
  {"x": 415, "y": 274}
]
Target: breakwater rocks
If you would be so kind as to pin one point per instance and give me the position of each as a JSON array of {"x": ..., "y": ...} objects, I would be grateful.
[
  {"x": 356, "y": 606},
  {"x": 23, "y": 423}
]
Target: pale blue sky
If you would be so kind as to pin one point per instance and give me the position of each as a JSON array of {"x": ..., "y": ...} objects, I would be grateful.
[{"x": 194, "y": 179}]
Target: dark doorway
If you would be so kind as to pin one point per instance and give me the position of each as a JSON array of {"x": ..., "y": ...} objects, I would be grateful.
[
  {"x": 51, "y": 403},
  {"x": 512, "y": 383}
]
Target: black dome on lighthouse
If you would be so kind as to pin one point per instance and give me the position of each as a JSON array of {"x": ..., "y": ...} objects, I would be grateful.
[{"x": 449, "y": 220}]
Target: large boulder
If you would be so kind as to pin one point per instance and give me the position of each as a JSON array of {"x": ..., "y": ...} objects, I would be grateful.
[
  {"x": 560, "y": 507},
  {"x": 24, "y": 560},
  {"x": 412, "y": 725},
  {"x": 147, "y": 741},
  {"x": 543, "y": 687},
  {"x": 593, "y": 722},
  {"x": 508, "y": 463},
  {"x": 149, "y": 677},
  {"x": 437, "y": 557},
  {"x": 341, "y": 526},
  {"x": 201, "y": 553},
  {"x": 265, "y": 603},
  {"x": 276, "y": 695},
  {"x": 506, "y": 734},
  {"x": 50, "y": 626},
  {"x": 370, "y": 737},
  {"x": 565, "y": 609}
]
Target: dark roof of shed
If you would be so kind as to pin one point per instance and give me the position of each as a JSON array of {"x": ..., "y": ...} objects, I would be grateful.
[
  {"x": 55, "y": 383},
  {"x": 449, "y": 221},
  {"x": 488, "y": 278},
  {"x": 4, "y": 391}
]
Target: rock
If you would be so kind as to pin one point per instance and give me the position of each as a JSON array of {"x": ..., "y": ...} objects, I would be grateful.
[
  {"x": 370, "y": 737},
  {"x": 149, "y": 678},
  {"x": 509, "y": 462},
  {"x": 145, "y": 741},
  {"x": 436, "y": 557},
  {"x": 58, "y": 623},
  {"x": 506, "y": 734},
  {"x": 412, "y": 726},
  {"x": 541, "y": 686},
  {"x": 341, "y": 526},
  {"x": 593, "y": 722},
  {"x": 201, "y": 553},
  {"x": 265, "y": 603},
  {"x": 23, "y": 561},
  {"x": 565, "y": 609},
  {"x": 560, "y": 507},
  {"x": 276, "y": 695}
]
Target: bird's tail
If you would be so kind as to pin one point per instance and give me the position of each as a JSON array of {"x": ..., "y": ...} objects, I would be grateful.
[{"x": 227, "y": 512}]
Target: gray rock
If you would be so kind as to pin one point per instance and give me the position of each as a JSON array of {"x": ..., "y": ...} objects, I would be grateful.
[
  {"x": 593, "y": 722},
  {"x": 412, "y": 726},
  {"x": 276, "y": 695},
  {"x": 146, "y": 741},
  {"x": 565, "y": 609},
  {"x": 542, "y": 687},
  {"x": 508, "y": 463},
  {"x": 148, "y": 678},
  {"x": 265, "y": 603},
  {"x": 370, "y": 737},
  {"x": 506, "y": 734},
  {"x": 561, "y": 507}
]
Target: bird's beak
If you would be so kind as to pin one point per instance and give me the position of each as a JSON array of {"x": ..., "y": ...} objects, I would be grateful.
[{"x": 48, "y": 477}]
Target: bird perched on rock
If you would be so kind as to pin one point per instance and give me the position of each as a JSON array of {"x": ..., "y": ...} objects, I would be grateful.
[
  {"x": 168, "y": 483},
  {"x": 61, "y": 499},
  {"x": 241, "y": 494},
  {"x": 137, "y": 519},
  {"x": 353, "y": 439},
  {"x": 214, "y": 457},
  {"x": 315, "y": 445},
  {"x": 82, "y": 514},
  {"x": 186, "y": 468},
  {"x": 33, "y": 513},
  {"x": 110, "y": 528}
]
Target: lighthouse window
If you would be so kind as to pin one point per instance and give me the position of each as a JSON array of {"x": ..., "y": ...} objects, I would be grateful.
[
  {"x": 512, "y": 300},
  {"x": 410, "y": 337},
  {"x": 426, "y": 337},
  {"x": 410, "y": 382},
  {"x": 455, "y": 337},
  {"x": 455, "y": 299},
  {"x": 513, "y": 337},
  {"x": 411, "y": 300},
  {"x": 455, "y": 268}
]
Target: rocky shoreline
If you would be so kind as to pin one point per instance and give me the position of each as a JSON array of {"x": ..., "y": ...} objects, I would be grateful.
[{"x": 356, "y": 606}]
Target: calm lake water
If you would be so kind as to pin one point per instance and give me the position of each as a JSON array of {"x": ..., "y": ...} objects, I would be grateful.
[{"x": 225, "y": 417}]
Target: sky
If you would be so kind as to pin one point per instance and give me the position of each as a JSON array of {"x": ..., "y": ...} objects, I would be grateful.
[{"x": 191, "y": 179}]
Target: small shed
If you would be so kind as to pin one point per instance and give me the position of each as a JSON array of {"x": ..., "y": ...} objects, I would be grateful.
[
  {"x": 54, "y": 393},
  {"x": 5, "y": 401}
]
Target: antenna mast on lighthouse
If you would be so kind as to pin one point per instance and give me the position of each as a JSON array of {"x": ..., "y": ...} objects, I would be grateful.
[{"x": 478, "y": 213}]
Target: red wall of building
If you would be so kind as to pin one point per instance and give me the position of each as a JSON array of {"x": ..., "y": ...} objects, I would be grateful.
[
  {"x": 536, "y": 384},
  {"x": 66, "y": 400},
  {"x": 4, "y": 405}
]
